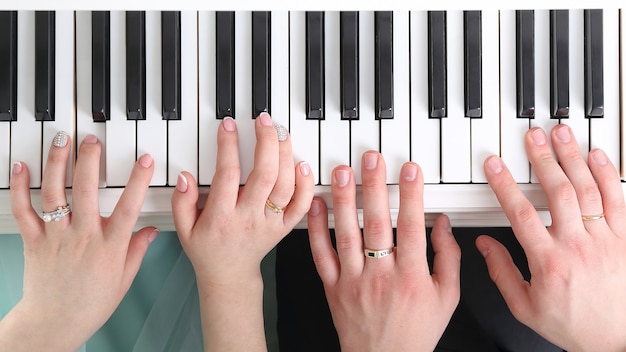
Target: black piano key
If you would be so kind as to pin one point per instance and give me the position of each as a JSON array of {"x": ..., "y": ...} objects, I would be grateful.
[
  {"x": 44, "y": 65},
  {"x": 170, "y": 68},
  {"x": 225, "y": 63},
  {"x": 315, "y": 65},
  {"x": 525, "y": 32},
  {"x": 101, "y": 65},
  {"x": 8, "y": 65},
  {"x": 383, "y": 23},
  {"x": 349, "y": 38},
  {"x": 559, "y": 63},
  {"x": 473, "y": 63},
  {"x": 437, "y": 65},
  {"x": 594, "y": 67},
  {"x": 136, "y": 65},
  {"x": 261, "y": 34}
]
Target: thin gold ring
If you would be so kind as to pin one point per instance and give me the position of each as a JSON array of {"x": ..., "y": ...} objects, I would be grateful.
[
  {"x": 273, "y": 207},
  {"x": 593, "y": 217}
]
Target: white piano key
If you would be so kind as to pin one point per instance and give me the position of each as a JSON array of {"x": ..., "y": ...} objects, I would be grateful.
[
  {"x": 120, "y": 132},
  {"x": 304, "y": 133},
  {"x": 208, "y": 122},
  {"x": 364, "y": 133},
  {"x": 64, "y": 87},
  {"x": 243, "y": 91},
  {"x": 577, "y": 120},
  {"x": 542, "y": 77},
  {"x": 152, "y": 132},
  {"x": 604, "y": 132},
  {"x": 425, "y": 132},
  {"x": 455, "y": 129},
  {"x": 26, "y": 132},
  {"x": 183, "y": 134},
  {"x": 334, "y": 132},
  {"x": 84, "y": 118},
  {"x": 512, "y": 128},
  {"x": 486, "y": 130},
  {"x": 279, "y": 68},
  {"x": 394, "y": 133}
]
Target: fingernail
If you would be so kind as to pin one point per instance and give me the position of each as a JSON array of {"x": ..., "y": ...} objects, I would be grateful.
[
  {"x": 342, "y": 177},
  {"x": 409, "y": 172},
  {"x": 229, "y": 124},
  {"x": 482, "y": 246},
  {"x": 60, "y": 139},
  {"x": 266, "y": 120},
  {"x": 446, "y": 223},
  {"x": 145, "y": 160},
  {"x": 305, "y": 168},
  {"x": 538, "y": 137},
  {"x": 181, "y": 183},
  {"x": 281, "y": 131},
  {"x": 90, "y": 139},
  {"x": 563, "y": 135},
  {"x": 153, "y": 235},
  {"x": 370, "y": 160},
  {"x": 599, "y": 157},
  {"x": 494, "y": 164},
  {"x": 17, "y": 168},
  {"x": 315, "y": 207}
]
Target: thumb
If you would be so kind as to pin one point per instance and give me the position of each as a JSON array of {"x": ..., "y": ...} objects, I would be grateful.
[{"x": 137, "y": 248}]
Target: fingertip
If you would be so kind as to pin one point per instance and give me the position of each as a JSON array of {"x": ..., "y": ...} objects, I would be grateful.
[
  {"x": 483, "y": 245},
  {"x": 184, "y": 202},
  {"x": 145, "y": 161},
  {"x": 493, "y": 164}
]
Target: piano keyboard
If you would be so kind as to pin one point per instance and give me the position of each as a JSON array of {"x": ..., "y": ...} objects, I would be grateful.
[{"x": 442, "y": 88}]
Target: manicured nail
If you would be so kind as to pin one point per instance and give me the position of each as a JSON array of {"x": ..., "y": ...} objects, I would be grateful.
[
  {"x": 145, "y": 160},
  {"x": 229, "y": 124},
  {"x": 266, "y": 120},
  {"x": 315, "y": 207},
  {"x": 482, "y": 246},
  {"x": 17, "y": 168},
  {"x": 342, "y": 177},
  {"x": 539, "y": 137},
  {"x": 599, "y": 157},
  {"x": 305, "y": 168},
  {"x": 494, "y": 164},
  {"x": 409, "y": 172},
  {"x": 563, "y": 135},
  {"x": 153, "y": 235},
  {"x": 370, "y": 160},
  {"x": 181, "y": 183},
  {"x": 446, "y": 223},
  {"x": 90, "y": 139},
  {"x": 60, "y": 139},
  {"x": 281, "y": 131}
]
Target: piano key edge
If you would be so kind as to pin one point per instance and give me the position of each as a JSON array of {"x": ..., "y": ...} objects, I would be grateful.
[{"x": 471, "y": 205}]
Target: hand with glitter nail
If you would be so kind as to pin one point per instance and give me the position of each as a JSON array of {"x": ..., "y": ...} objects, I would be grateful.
[
  {"x": 78, "y": 265},
  {"x": 382, "y": 294},
  {"x": 238, "y": 226},
  {"x": 575, "y": 294}
]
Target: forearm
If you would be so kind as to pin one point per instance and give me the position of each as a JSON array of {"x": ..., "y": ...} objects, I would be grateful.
[
  {"x": 232, "y": 316},
  {"x": 25, "y": 330}
]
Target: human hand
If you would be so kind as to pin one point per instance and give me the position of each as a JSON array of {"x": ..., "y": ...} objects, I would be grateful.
[
  {"x": 392, "y": 303},
  {"x": 575, "y": 296},
  {"x": 77, "y": 269},
  {"x": 227, "y": 240}
]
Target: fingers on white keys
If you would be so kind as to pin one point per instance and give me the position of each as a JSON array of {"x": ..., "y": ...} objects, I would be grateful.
[
  {"x": 53, "y": 182},
  {"x": 85, "y": 181},
  {"x": 26, "y": 217}
]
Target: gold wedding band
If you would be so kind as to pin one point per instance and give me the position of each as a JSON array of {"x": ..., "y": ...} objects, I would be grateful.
[
  {"x": 593, "y": 217},
  {"x": 377, "y": 253},
  {"x": 273, "y": 207}
]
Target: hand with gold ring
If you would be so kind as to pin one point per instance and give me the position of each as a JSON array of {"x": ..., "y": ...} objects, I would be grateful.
[
  {"x": 78, "y": 265},
  {"x": 381, "y": 294},
  {"x": 227, "y": 239},
  {"x": 575, "y": 294}
]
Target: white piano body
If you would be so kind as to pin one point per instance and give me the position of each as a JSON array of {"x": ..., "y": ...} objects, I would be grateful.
[{"x": 450, "y": 150}]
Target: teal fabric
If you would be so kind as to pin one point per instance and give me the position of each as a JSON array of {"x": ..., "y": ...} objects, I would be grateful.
[{"x": 160, "y": 311}]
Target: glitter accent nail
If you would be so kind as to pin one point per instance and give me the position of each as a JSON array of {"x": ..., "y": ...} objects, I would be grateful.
[
  {"x": 60, "y": 139},
  {"x": 281, "y": 131}
]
